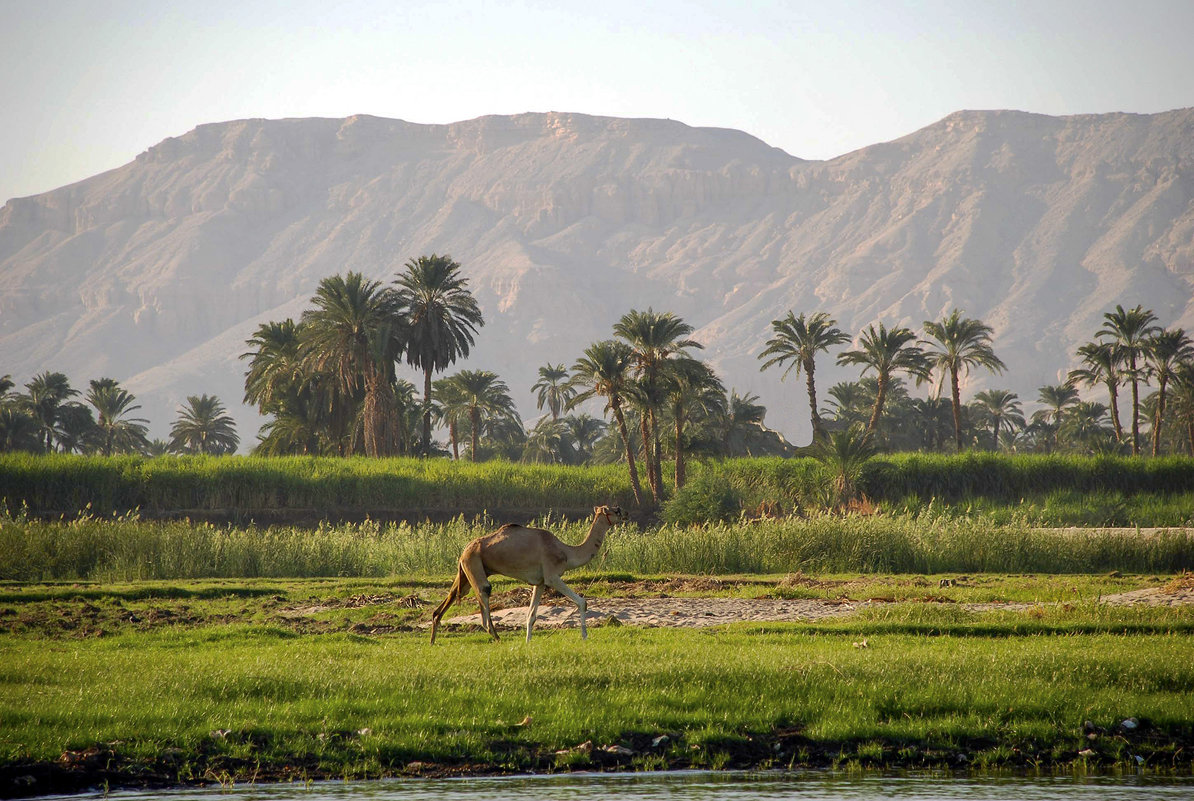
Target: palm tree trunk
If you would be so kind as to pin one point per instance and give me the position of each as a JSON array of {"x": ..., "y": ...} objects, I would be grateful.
[
  {"x": 1135, "y": 409},
  {"x": 1113, "y": 393},
  {"x": 656, "y": 456},
  {"x": 644, "y": 427},
  {"x": 811, "y": 384},
  {"x": 426, "y": 446},
  {"x": 1160, "y": 416},
  {"x": 680, "y": 475},
  {"x": 880, "y": 397},
  {"x": 452, "y": 435},
  {"x": 995, "y": 432},
  {"x": 474, "y": 416},
  {"x": 634, "y": 487},
  {"x": 956, "y": 400}
]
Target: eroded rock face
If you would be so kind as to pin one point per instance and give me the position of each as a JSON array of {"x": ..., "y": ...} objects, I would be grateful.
[{"x": 155, "y": 273}]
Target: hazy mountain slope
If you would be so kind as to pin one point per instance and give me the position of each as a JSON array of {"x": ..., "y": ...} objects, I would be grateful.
[{"x": 156, "y": 273}]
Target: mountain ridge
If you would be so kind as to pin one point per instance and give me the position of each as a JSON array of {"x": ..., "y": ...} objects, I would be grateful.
[{"x": 153, "y": 271}]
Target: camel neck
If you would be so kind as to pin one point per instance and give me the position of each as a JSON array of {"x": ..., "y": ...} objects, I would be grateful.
[{"x": 582, "y": 554}]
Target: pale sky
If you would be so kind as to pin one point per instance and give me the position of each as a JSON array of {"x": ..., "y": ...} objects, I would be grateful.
[{"x": 86, "y": 85}]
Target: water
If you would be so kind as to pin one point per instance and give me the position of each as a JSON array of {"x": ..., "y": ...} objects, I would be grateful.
[{"x": 695, "y": 786}]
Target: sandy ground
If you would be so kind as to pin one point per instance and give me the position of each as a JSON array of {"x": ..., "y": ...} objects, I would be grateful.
[{"x": 699, "y": 612}]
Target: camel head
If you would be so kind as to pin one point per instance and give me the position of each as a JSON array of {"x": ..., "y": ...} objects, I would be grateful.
[{"x": 613, "y": 514}]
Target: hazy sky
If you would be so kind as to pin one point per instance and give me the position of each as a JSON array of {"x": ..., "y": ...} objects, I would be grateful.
[{"x": 85, "y": 85}]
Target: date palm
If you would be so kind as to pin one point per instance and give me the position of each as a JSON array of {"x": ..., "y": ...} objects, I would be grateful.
[
  {"x": 1164, "y": 352},
  {"x": 584, "y": 431},
  {"x": 553, "y": 389},
  {"x": 690, "y": 385},
  {"x": 441, "y": 317},
  {"x": 886, "y": 352},
  {"x": 451, "y": 409},
  {"x": 1085, "y": 426},
  {"x": 47, "y": 392},
  {"x": 797, "y": 341},
  {"x": 1000, "y": 406},
  {"x": 355, "y": 335},
  {"x": 742, "y": 423},
  {"x": 604, "y": 371},
  {"x": 1101, "y": 361},
  {"x": 959, "y": 343},
  {"x": 1057, "y": 399},
  {"x": 487, "y": 398},
  {"x": 112, "y": 404},
  {"x": 204, "y": 426},
  {"x": 1183, "y": 400},
  {"x": 1130, "y": 330},
  {"x": 655, "y": 337}
]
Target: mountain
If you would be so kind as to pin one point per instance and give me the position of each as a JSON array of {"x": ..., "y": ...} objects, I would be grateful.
[{"x": 157, "y": 272}]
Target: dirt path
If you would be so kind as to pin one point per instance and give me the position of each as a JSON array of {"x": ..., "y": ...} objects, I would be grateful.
[{"x": 700, "y": 612}]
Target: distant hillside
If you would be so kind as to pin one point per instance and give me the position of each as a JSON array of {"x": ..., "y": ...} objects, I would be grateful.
[{"x": 155, "y": 273}]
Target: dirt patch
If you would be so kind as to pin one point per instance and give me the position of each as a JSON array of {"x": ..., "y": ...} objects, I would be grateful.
[{"x": 700, "y": 612}]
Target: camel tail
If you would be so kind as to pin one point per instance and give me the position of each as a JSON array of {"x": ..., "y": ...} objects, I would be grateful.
[{"x": 460, "y": 588}]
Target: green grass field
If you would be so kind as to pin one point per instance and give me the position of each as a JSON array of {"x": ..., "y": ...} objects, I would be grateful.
[{"x": 241, "y": 680}]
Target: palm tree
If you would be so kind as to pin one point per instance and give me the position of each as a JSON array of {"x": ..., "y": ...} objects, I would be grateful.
[
  {"x": 850, "y": 402},
  {"x": 112, "y": 403},
  {"x": 553, "y": 388},
  {"x": 742, "y": 423},
  {"x": 798, "y": 341},
  {"x": 999, "y": 406},
  {"x": 441, "y": 318},
  {"x": 487, "y": 398},
  {"x": 548, "y": 442},
  {"x": 47, "y": 392},
  {"x": 451, "y": 409},
  {"x": 654, "y": 337},
  {"x": 274, "y": 367},
  {"x": 204, "y": 426},
  {"x": 604, "y": 371},
  {"x": 76, "y": 429},
  {"x": 306, "y": 406},
  {"x": 1057, "y": 398},
  {"x": 885, "y": 352},
  {"x": 18, "y": 429},
  {"x": 1183, "y": 400},
  {"x": 961, "y": 343},
  {"x": 1130, "y": 331},
  {"x": 584, "y": 431},
  {"x": 1164, "y": 352},
  {"x": 6, "y": 385},
  {"x": 690, "y": 385},
  {"x": 1085, "y": 425},
  {"x": 1101, "y": 366},
  {"x": 355, "y": 335},
  {"x": 844, "y": 453}
]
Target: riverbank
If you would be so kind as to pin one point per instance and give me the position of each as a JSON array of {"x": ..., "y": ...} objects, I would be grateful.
[{"x": 164, "y": 683}]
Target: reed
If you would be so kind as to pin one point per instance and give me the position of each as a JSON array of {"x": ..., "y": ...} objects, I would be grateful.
[{"x": 127, "y": 548}]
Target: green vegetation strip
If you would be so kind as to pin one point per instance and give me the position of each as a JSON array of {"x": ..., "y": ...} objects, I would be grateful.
[
  {"x": 91, "y": 548},
  {"x": 234, "y": 703},
  {"x": 1038, "y": 489}
]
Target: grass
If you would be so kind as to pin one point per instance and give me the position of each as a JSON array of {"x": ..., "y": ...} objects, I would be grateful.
[
  {"x": 126, "y": 548},
  {"x": 236, "y": 688},
  {"x": 1046, "y": 490}
]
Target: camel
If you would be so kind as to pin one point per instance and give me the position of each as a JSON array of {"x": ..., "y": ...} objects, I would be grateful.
[{"x": 532, "y": 555}]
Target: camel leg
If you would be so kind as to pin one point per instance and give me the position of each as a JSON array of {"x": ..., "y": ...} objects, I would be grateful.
[
  {"x": 475, "y": 571},
  {"x": 458, "y": 591},
  {"x": 536, "y": 594},
  {"x": 559, "y": 586}
]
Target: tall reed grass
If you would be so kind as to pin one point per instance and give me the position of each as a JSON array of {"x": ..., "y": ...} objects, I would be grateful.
[{"x": 127, "y": 548}]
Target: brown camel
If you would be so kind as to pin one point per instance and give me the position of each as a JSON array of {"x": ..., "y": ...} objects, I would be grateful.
[{"x": 531, "y": 555}]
